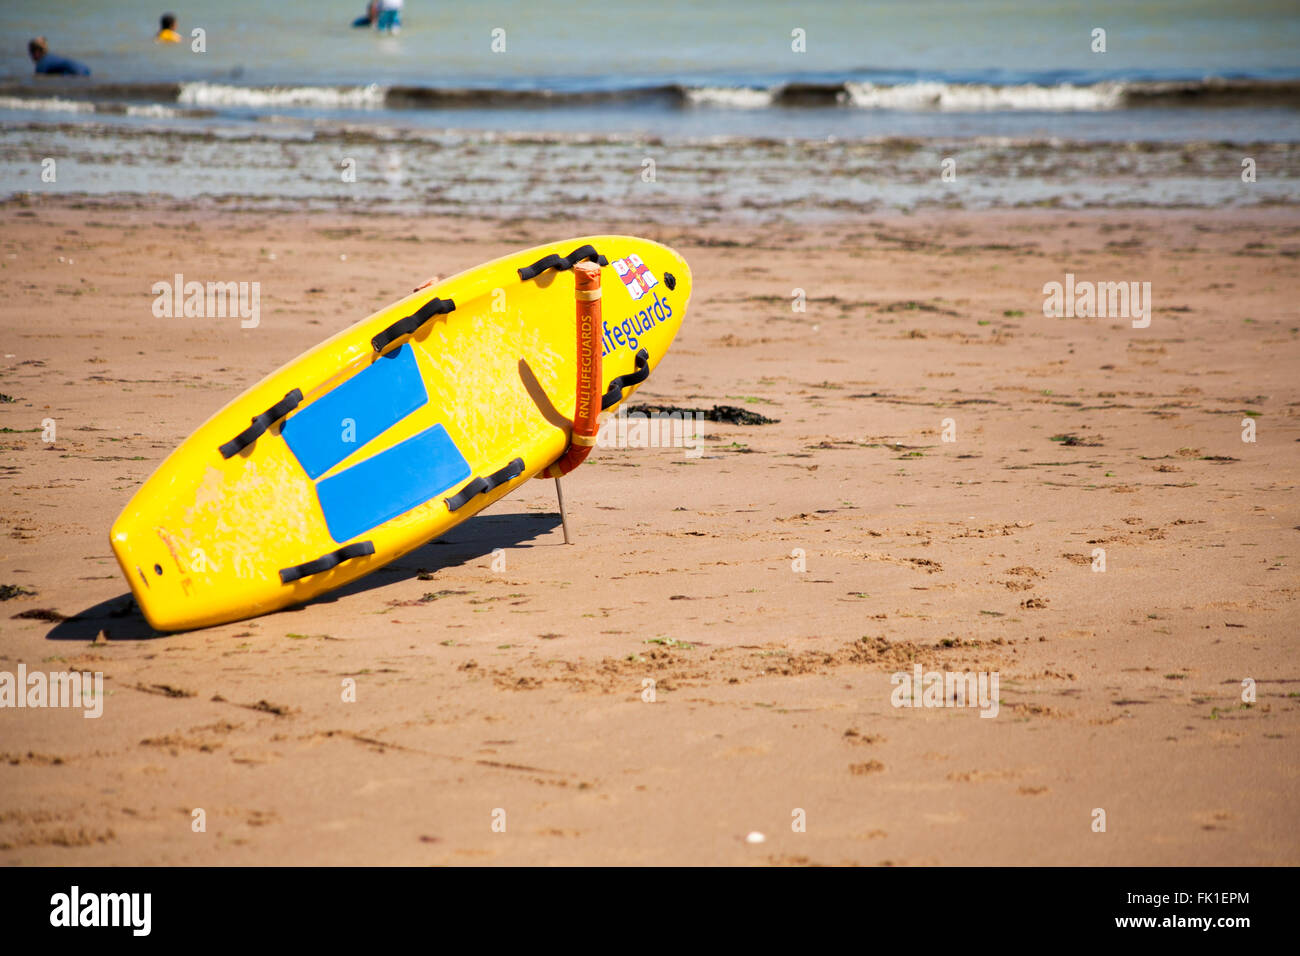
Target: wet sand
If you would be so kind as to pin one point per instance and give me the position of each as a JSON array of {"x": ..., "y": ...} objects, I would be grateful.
[{"x": 486, "y": 693}]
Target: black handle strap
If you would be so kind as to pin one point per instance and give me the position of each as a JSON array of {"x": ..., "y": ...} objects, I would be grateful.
[
  {"x": 616, "y": 385},
  {"x": 261, "y": 423},
  {"x": 406, "y": 326},
  {"x": 480, "y": 485},
  {"x": 562, "y": 263},
  {"x": 326, "y": 561}
]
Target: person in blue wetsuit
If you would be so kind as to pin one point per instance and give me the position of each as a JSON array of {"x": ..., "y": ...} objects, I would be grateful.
[
  {"x": 390, "y": 16},
  {"x": 372, "y": 14},
  {"x": 47, "y": 62}
]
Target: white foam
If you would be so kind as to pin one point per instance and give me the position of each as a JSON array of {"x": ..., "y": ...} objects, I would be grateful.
[
  {"x": 154, "y": 111},
  {"x": 732, "y": 97},
  {"x": 50, "y": 105},
  {"x": 961, "y": 97},
  {"x": 219, "y": 94}
]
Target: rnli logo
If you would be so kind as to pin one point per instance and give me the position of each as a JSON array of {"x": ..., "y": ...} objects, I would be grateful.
[{"x": 637, "y": 278}]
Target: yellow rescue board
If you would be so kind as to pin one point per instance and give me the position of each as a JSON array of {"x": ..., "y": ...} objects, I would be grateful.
[{"x": 390, "y": 433}]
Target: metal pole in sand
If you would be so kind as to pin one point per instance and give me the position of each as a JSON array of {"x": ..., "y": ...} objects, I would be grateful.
[{"x": 564, "y": 518}]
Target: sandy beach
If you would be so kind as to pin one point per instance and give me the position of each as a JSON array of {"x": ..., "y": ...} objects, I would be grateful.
[{"x": 768, "y": 587}]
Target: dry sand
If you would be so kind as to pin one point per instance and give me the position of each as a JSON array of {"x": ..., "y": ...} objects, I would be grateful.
[{"x": 520, "y": 689}]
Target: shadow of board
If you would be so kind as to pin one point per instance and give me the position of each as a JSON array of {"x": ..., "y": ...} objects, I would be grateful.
[{"x": 476, "y": 538}]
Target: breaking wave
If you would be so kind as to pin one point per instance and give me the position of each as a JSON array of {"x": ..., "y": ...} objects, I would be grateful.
[{"x": 922, "y": 95}]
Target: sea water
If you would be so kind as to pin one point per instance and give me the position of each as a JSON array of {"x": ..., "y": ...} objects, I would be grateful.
[{"x": 667, "y": 109}]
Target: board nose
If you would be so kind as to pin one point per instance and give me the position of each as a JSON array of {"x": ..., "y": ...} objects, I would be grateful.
[{"x": 678, "y": 273}]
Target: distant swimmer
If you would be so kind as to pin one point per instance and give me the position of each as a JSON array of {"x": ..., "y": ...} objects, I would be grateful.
[
  {"x": 167, "y": 29},
  {"x": 371, "y": 15},
  {"x": 390, "y": 16},
  {"x": 47, "y": 62}
]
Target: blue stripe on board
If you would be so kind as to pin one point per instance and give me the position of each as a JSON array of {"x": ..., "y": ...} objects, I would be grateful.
[
  {"x": 374, "y": 400},
  {"x": 391, "y": 483}
]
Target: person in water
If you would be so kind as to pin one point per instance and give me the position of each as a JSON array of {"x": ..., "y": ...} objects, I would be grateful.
[
  {"x": 390, "y": 16},
  {"x": 167, "y": 29},
  {"x": 371, "y": 15},
  {"x": 46, "y": 62}
]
